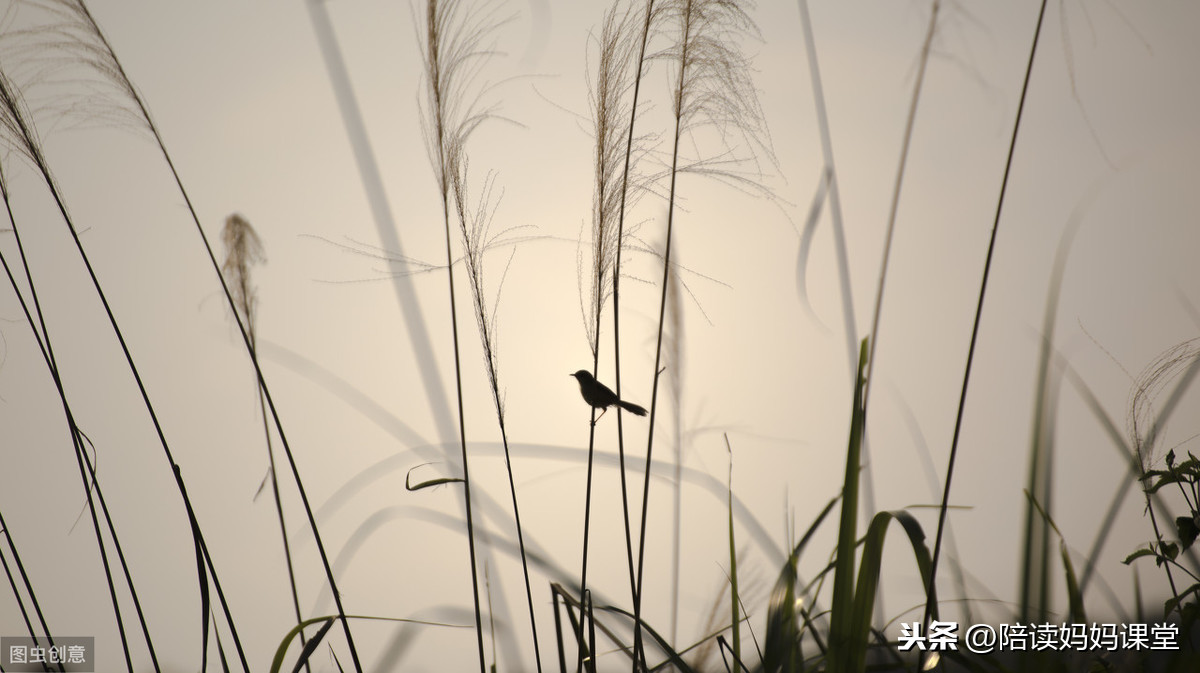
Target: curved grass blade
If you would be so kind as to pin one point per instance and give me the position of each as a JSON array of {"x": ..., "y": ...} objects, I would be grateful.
[
  {"x": 408, "y": 485},
  {"x": 281, "y": 651},
  {"x": 868, "y": 580}
]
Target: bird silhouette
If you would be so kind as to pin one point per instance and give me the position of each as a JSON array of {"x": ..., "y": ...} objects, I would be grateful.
[{"x": 599, "y": 396}]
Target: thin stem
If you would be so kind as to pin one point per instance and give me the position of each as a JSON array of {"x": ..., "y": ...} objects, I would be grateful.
[
  {"x": 462, "y": 431},
  {"x": 43, "y": 340},
  {"x": 685, "y": 44},
  {"x": 962, "y": 400},
  {"x": 895, "y": 205},
  {"x": 112, "y": 531},
  {"x": 12, "y": 581},
  {"x": 437, "y": 102},
  {"x": 287, "y": 546},
  {"x": 27, "y": 136},
  {"x": 144, "y": 111},
  {"x": 473, "y": 226},
  {"x": 835, "y": 201},
  {"x": 616, "y": 296},
  {"x": 587, "y": 519},
  {"x": 537, "y": 653}
]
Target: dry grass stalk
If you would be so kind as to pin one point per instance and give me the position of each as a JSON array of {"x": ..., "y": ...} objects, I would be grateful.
[{"x": 456, "y": 45}]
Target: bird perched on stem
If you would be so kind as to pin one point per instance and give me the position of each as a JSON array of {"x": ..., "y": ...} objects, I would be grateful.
[{"x": 599, "y": 396}]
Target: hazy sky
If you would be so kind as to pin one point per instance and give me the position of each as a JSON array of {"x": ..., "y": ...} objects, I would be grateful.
[{"x": 245, "y": 105}]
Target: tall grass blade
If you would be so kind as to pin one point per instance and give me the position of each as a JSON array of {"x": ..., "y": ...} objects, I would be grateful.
[
  {"x": 1074, "y": 595},
  {"x": 327, "y": 621},
  {"x": 12, "y": 582},
  {"x": 868, "y": 582},
  {"x": 593, "y": 653},
  {"x": 676, "y": 384},
  {"x": 806, "y": 238},
  {"x": 558, "y": 632},
  {"x": 923, "y": 61},
  {"x": 90, "y": 485},
  {"x": 673, "y": 657},
  {"x": 937, "y": 547},
  {"x": 205, "y": 606},
  {"x": 841, "y": 620},
  {"x": 311, "y": 646},
  {"x": 829, "y": 184},
  {"x": 207, "y": 566},
  {"x": 607, "y": 98},
  {"x": 474, "y": 225},
  {"x": 781, "y": 652},
  {"x": 712, "y": 86},
  {"x": 91, "y": 47},
  {"x": 735, "y": 623},
  {"x": 1035, "y": 556},
  {"x": 639, "y": 63},
  {"x": 116, "y": 540},
  {"x": 453, "y": 39},
  {"x": 243, "y": 251},
  {"x": 381, "y": 212},
  {"x": 737, "y": 663},
  {"x": 16, "y": 122},
  {"x": 220, "y": 647}
]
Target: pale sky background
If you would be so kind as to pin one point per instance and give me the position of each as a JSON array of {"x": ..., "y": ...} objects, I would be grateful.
[{"x": 245, "y": 105}]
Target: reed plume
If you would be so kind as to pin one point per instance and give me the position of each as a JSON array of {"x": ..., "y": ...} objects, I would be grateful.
[
  {"x": 474, "y": 225},
  {"x": 74, "y": 42},
  {"x": 613, "y": 101},
  {"x": 455, "y": 45},
  {"x": 712, "y": 89},
  {"x": 20, "y": 132},
  {"x": 243, "y": 251}
]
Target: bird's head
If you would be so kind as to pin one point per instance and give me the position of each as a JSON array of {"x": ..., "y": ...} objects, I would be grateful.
[{"x": 582, "y": 375}]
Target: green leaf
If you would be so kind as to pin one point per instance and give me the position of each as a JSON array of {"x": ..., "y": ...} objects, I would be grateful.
[
  {"x": 1187, "y": 530},
  {"x": 1170, "y": 550},
  {"x": 1145, "y": 551},
  {"x": 408, "y": 485},
  {"x": 1173, "y": 603}
]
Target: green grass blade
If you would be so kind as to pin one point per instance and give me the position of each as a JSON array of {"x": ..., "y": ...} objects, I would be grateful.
[
  {"x": 868, "y": 578},
  {"x": 281, "y": 651},
  {"x": 674, "y": 657},
  {"x": 841, "y": 612},
  {"x": 1074, "y": 594},
  {"x": 781, "y": 651},
  {"x": 734, "y": 598},
  {"x": 311, "y": 646}
]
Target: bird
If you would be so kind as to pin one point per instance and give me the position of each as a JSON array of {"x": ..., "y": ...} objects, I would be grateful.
[{"x": 599, "y": 396}]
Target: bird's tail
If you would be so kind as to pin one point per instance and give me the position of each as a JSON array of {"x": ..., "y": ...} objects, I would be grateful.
[{"x": 632, "y": 408}]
